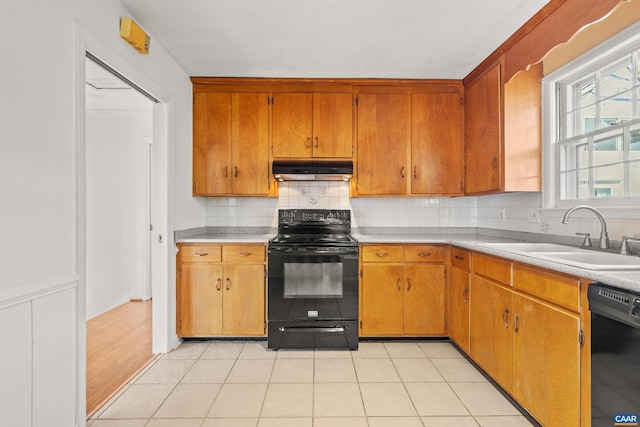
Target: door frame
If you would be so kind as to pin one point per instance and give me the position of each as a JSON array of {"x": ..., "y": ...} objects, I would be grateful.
[{"x": 161, "y": 254}]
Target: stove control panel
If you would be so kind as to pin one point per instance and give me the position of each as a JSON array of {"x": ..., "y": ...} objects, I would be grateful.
[{"x": 294, "y": 216}]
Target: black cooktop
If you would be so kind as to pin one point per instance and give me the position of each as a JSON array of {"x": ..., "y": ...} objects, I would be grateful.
[{"x": 323, "y": 227}]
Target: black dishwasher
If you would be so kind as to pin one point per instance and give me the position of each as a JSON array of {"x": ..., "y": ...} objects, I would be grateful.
[{"x": 615, "y": 356}]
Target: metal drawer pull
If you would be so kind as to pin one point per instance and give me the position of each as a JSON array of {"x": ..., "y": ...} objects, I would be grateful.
[
  {"x": 218, "y": 284},
  {"x": 317, "y": 142},
  {"x": 382, "y": 254},
  {"x": 515, "y": 323},
  {"x": 228, "y": 283},
  {"x": 244, "y": 253},
  {"x": 424, "y": 254},
  {"x": 203, "y": 254},
  {"x": 398, "y": 284},
  {"x": 459, "y": 258},
  {"x": 505, "y": 318},
  {"x": 308, "y": 143},
  {"x": 409, "y": 284},
  {"x": 402, "y": 174},
  {"x": 235, "y": 171},
  {"x": 312, "y": 329},
  {"x": 465, "y": 295},
  {"x": 226, "y": 171},
  {"x": 415, "y": 172}
]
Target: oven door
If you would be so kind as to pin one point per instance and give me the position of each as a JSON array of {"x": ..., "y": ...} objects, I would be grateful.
[{"x": 313, "y": 283}]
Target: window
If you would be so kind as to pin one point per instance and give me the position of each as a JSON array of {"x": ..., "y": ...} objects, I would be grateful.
[{"x": 593, "y": 124}]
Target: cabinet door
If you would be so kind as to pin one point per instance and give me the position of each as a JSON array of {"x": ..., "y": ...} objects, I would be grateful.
[
  {"x": 382, "y": 300},
  {"x": 458, "y": 323},
  {"x": 483, "y": 133},
  {"x": 244, "y": 299},
  {"x": 424, "y": 300},
  {"x": 292, "y": 125},
  {"x": 491, "y": 331},
  {"x": 384, "y": 132},
  {"x": 211, "y": 144},
  {"x": 436, "y": 143},
  {"x": 332, "y": 125},
  {"x": 200, "y": 300},
  {"x": 546, "y": 362},
  {"x": 250, "y": 143}
]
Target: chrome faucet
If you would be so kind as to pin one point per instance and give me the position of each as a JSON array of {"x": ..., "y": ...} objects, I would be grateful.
[{"x": 604, "y": 236}]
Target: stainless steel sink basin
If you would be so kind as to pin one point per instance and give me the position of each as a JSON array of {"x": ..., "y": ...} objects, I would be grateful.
[
  {"x": 592, "y": 260},
  {"x": 527, "y": 247},
  {"x": 569, "y": 255}
]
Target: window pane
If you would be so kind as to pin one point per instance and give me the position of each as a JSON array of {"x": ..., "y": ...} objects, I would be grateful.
[
  {"x": 584, "y": 120},
  {"x": 634, "y": 144},
  {"x": 634, "y": 179},
  {"x": 608, "y": 181},
  {"x": 586, "y": 93},
  {"x": 583, "y": 184},
  {"x": 616, "y": 79},
  {"x": 608, "y": 151},
  {"x": 616, "y": 110},
  {"x": 574, "y": 156}
]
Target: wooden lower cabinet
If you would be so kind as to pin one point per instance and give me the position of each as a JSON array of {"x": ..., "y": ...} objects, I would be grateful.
[
  {"x": 458, "y": 298},
  {"x": 402, "y": 290},
  {"x": 527, "y": 338},
  {"x": 220, "y": 290},
  {"x": 491, "y": 332}
]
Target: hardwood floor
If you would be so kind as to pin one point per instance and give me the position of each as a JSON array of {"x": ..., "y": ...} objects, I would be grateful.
[{"x": 118, "y": 347}]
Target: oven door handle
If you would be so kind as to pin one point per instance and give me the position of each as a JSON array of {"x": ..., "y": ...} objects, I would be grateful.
[{"x": 312, "y": 328}]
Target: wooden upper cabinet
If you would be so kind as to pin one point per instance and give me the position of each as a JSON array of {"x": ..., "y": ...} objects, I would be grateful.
[
  {"x": 230, "y": 144},
  {"x": 250, "y": 143},
  {"x": 437, "y": 143},
  {"x": 503, "y": 132},
  {"x": 384, "y": 138},
  {"x": 307, "y": 125},
  {"x": 483, "y": 137},
  {"x": 292, "y": 125},
  {"x": 211, "y": 143}
]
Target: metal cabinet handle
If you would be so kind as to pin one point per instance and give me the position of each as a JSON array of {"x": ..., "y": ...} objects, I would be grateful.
[
  {"x": 415, "y": 172},
  {"x": 228, "y": 283},
  {"x": 399, "y": 284},
  {"x": 226, "y": 171},
  {"x": 308, "y": 144},
  {"x": 317, "y": 142},
  {"x": 459, "y": 258},
  {"x": 382, "y": 254},
  {"x": 402, "y": 174},
  {"x": 424, "y": 254},
  {"x": 235, "y": 171},
  {"x": 515, "y": 323},
  {"x": 465, "y": 295},
  {"x": 495, "y": 162},
  {"x": 408, "y": 284},
  {"x": 201, "y": 254},
  {"x": 244, "y": 253},
  {"x": 218, "y": 284},
  {"x": 505, "y": 318}
]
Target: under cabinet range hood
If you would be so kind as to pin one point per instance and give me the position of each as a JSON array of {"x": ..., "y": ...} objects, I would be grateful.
[{"x": 312, "y": 170}]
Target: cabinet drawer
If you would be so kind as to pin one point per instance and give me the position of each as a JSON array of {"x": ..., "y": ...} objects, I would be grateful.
[
  {"x": 555, "y": 288},
  {"x": 243, "y": 253},
  {"x": 200, "y": 253},
  {"x": 493, "y": 268},
  {"x": 424, "y": 253},
  {"x": 460, "y": 258},
  {"x": 382, "y": 253}
]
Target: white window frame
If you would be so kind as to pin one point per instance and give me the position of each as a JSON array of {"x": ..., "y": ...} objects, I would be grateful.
[{"x": 624, "y": 42}]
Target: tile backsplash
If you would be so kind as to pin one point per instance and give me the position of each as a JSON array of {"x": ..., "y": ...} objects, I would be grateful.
[{"x": 512, "y": 211}]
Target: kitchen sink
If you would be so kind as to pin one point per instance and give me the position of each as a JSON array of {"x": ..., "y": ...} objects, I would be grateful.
[
  {"x": 592, "y": 260},
  {"x": 569, "y": 255},
  {"x": 527, "y": 247}
]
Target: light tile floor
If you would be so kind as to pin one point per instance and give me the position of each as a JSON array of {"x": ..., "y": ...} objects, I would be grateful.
[{"x": 242, "y": 384}]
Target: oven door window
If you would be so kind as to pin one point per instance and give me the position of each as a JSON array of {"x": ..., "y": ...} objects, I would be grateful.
[{"x": 313, "y": 280}]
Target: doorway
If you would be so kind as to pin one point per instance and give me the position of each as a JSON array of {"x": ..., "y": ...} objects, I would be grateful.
[{"x": 118, "y": 171}]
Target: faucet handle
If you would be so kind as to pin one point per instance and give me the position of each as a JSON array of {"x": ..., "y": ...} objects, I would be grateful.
[
  {"x": 587, "y": 240},
  {"x": 624, "y": 245}
]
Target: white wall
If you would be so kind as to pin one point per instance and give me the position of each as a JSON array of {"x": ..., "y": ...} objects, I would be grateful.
[
  {"x": 41, "y": 295},
  {"x": 117, "y": 151}
]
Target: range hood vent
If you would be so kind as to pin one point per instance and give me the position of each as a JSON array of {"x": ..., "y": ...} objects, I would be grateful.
[{"x": 313, "y": 170}]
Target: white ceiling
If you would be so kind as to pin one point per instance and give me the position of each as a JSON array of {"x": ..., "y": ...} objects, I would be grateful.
[{"x": 331, "y": 38}]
